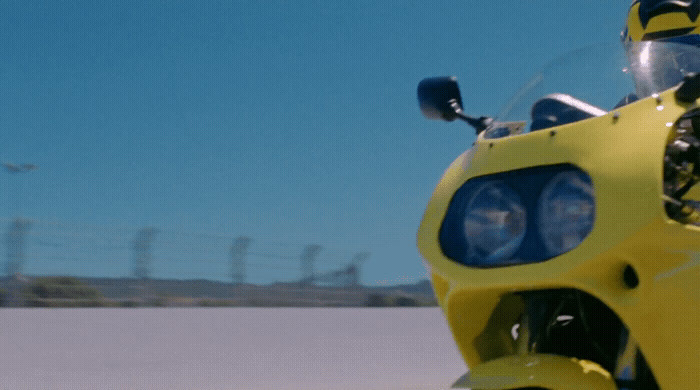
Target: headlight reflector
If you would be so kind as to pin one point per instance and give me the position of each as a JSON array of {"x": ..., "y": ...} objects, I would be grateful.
[
  {"x": 566, "y": 211},
  {"x": 517, "y": 217},
  {"x": 494, "y": 223}
]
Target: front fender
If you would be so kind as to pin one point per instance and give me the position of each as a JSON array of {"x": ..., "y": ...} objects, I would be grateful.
[{"x": 536, "y": 371}]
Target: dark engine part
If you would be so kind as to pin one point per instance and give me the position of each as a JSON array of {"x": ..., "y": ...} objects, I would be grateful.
[
  {"x": 682, "y": 169},
  {"x": 571, "y": 323}
]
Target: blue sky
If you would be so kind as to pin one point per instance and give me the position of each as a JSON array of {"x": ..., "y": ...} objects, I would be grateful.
[{"x": 292, "y": 121}]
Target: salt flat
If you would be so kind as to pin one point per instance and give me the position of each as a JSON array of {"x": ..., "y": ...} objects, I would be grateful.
[{"x": 227, "y": 348}]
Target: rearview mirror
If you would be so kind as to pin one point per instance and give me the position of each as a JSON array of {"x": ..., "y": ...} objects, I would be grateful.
[{"x": 439, "y": 98}]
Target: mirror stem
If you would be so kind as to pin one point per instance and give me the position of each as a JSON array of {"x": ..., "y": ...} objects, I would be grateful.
[{"x": 479, "y": 124}]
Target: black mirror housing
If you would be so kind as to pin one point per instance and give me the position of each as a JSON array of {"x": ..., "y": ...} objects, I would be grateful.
[{"x": 439, "y": 98}]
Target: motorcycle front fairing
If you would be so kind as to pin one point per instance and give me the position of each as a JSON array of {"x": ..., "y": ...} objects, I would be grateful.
[{"x": 622, "y": 297}]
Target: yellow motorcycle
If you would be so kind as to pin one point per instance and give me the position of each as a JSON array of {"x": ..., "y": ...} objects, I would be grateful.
[{"x": 564, "y": 245}]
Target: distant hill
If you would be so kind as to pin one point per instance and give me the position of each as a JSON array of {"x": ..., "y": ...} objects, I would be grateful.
[{"x": 130, "y": 292}]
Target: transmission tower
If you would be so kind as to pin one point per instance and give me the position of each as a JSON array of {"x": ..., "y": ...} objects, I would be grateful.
[
  {"x": 354, "y": 274},
  {"x": 141, "y": 245},
  {"x": 239, "y": 250},
  {"x": 307, "y": 259},
  {"x": 348, "y": 276},
  {"x": 14, "y": 239}
]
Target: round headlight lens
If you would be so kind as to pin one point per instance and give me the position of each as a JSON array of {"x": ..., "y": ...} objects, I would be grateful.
[
  {"x": 494, "y": 223},
  {"x": 566, "y": 211}
]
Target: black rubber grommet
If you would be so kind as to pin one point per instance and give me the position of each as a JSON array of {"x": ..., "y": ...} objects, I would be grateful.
[{"x": 630, "y": 277}]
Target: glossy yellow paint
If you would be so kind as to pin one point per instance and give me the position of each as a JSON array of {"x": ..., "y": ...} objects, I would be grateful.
[
  {"x": 622, "y": 152},
  {"x": 537, "y": 370}
]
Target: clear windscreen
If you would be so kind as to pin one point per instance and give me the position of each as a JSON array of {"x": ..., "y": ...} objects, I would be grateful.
[
  {"x": 657, "y": 66},
  {"x": 605, "y": 75}
]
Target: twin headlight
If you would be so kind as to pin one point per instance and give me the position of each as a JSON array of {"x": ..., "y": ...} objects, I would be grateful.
[{"x": 517, "y": 217}]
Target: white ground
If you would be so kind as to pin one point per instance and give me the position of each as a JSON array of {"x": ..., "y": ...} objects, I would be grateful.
[{"x": 226, "y": 348}]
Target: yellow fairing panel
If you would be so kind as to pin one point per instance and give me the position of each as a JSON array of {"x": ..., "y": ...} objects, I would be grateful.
[{"x": 623, "y": 153}]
